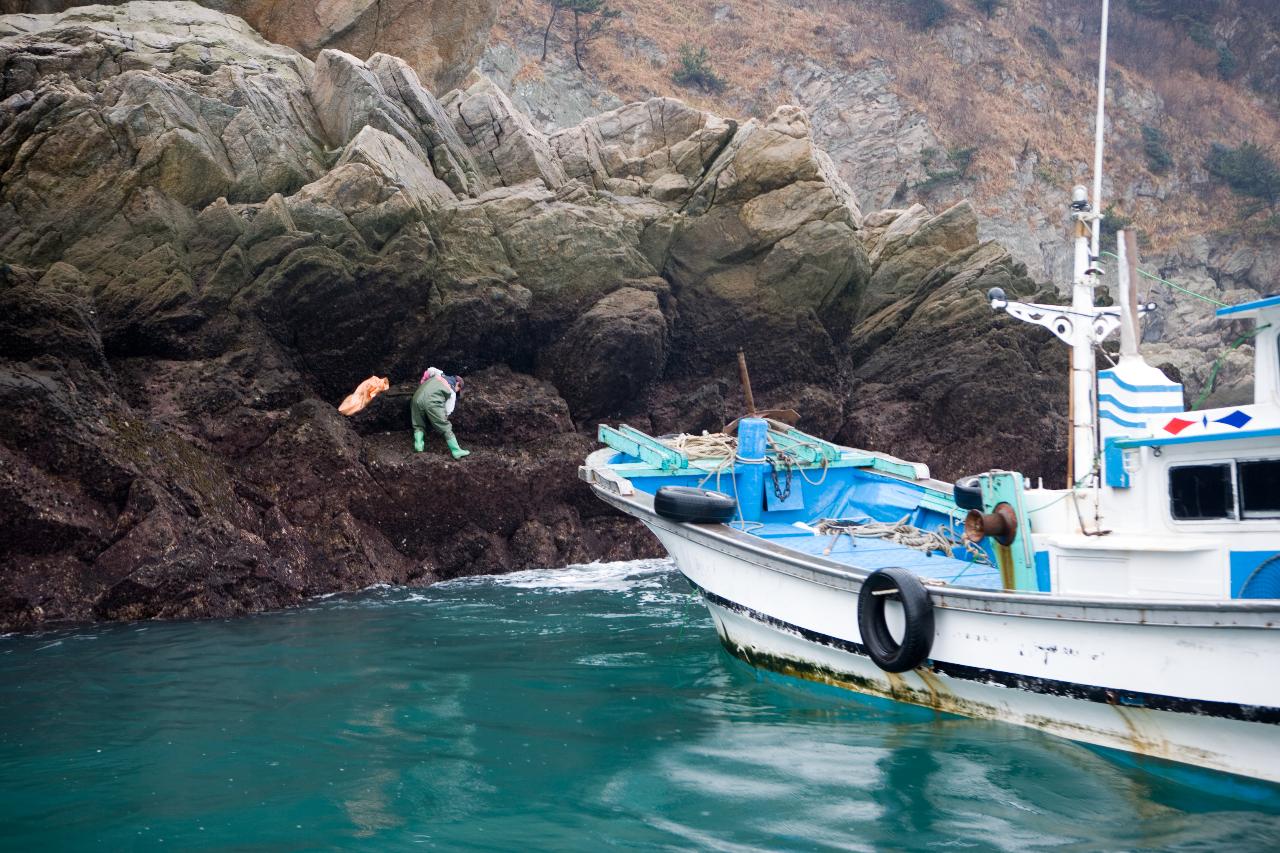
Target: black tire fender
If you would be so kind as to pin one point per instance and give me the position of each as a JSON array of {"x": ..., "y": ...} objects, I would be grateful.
[
  {"x": 696, "y": 506},
  {"x": 968, "y": 493},
  {"x": 917, "y": 609}
]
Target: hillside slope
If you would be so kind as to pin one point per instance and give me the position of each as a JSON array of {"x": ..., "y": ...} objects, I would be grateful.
[{"x": 991, "y": 101}]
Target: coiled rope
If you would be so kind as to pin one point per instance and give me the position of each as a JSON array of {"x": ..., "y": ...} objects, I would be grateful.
[
  {"x": 719, "y": 445},
  {"x": 902, "y": 533}
]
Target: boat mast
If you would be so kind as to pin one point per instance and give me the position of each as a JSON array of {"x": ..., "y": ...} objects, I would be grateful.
[
  {"x": 1088, "y": 233},
  {"x": 1083, "y": 325},
  {"x": 1099, "y": 126}
]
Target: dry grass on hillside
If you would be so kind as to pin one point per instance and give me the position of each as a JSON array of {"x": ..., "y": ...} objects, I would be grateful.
[{"x": 1015, "y": 86}]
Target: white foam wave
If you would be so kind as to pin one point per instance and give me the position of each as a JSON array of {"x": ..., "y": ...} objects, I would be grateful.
[{"x": 606, "y": 577}]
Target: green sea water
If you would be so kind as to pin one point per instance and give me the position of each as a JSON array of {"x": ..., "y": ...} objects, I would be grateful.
[{"x": 584, "y": 708}]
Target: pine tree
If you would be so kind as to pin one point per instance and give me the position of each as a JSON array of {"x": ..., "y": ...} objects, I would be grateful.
[
  {"x": 556, "y": 6},
  {"x": 600, "y": 15},
  {"x": 591, "y": 18}
]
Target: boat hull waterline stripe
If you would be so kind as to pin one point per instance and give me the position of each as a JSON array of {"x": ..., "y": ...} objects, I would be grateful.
[{"x": 1029, "y": 683}]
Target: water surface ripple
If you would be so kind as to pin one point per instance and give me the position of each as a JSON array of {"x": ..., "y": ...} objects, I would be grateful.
[{"x": 567, "y": 709}]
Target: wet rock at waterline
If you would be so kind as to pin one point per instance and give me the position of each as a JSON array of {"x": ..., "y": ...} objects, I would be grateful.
[{"x": 208, "y": 240}]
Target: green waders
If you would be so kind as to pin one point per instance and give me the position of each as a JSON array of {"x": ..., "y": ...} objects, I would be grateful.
[{"x": 428, "y": 406}]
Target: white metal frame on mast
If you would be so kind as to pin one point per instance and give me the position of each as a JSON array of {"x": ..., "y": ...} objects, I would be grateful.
[{"x": 1082, "y": 325}]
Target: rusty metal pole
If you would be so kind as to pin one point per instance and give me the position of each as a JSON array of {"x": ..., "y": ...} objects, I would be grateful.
[{"x": 746, "y": 382}]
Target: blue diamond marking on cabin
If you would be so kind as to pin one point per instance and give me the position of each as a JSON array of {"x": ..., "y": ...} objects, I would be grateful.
[{"x": 1236, "y": 419}]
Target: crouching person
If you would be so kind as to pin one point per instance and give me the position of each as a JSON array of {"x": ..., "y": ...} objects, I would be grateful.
[{"x": 433, "y": 403}]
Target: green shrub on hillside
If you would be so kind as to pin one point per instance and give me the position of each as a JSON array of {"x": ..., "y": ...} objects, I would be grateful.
[
  {"x": 954, "y": 167},
  {"x": 1153, "y": 145},
  {"x": 1227, "y": 63},
  {"x": 1047, "y": 41},
  {"x": 1249, "y": 170},
  {"x": 1178, "y": 11},
  {"x": 1113, "y": 221},
  {"x": 695, "y": 70},
  {"x": 926, "y": 14},
  {"x": 988, "y": 7},
  {"x": 1201, "y": 35}
]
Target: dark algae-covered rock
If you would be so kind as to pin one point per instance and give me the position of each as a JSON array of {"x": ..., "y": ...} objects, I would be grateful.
[{"x": 208, "y": 240}]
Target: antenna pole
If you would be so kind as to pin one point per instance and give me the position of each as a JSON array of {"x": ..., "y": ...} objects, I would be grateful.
[{"x": 1099, "y": 126}]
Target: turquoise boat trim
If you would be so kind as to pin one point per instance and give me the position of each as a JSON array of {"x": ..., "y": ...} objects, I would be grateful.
[
  {"x": 1248, "y": 306},
  {"x": 645, "y": 468},
  {"x": 942, "y": 502},
  {"x": 898, "y": 469},
  {"x": 1007, "y": 487},
  {"x": 805, "y": 446},
  {"x": 1125, "y": 407},
  {"x": 1113, "y": 465},
  {"x": 1130, "y": 424},
  {"x": 1111, "y": 377},
  {"x": 1194, "y": 439},
  {"x": 633, "y": 442}
]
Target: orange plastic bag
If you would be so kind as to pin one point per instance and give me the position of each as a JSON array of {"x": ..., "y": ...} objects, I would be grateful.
[{"x": 365, "y": 391}]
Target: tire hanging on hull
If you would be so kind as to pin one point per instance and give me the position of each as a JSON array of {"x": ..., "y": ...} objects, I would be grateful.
[{"x": 917, "y": 612}]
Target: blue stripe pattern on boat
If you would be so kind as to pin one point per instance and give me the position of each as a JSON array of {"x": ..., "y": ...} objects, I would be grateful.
[
  {"x": 1155, "y": 410},
  {"x": 1111, "y": 376},
  {"x": 1130, "y": 424}
]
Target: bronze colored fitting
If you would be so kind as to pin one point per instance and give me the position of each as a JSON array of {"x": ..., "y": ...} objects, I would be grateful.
[{"x": 1002, "y": 523}]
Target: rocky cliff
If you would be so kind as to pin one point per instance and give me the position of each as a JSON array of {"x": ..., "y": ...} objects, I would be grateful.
[
  {"x": 987, "y": 100},
  {"x": 441, "y": 39},
  {"x": 208, "y": 240}
]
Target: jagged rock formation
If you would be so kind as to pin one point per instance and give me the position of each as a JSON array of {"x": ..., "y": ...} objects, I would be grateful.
[
  {"x": 208, "y": 240},
  {"x": 992, "y": 102},
  {"x": 440, "y": 39}
]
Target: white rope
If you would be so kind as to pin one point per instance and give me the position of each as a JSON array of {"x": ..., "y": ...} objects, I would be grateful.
[
  {"x": 718, "y": 445},
  {"x": 900, "y": 533},
  {"x": 713, "y": 445}
]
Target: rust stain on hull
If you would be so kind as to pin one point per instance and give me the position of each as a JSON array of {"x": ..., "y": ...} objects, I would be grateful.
[{"x": 936, "y": 696}]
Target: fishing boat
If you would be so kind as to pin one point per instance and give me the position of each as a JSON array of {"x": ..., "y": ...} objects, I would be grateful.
[{"x": 1136, "y": 609}]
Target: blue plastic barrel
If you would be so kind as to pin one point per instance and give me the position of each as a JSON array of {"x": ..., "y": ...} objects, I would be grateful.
[{"x": 753, "y": 436}]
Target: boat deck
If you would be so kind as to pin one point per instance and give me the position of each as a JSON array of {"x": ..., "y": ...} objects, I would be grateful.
[{"x": 869, "y": 553}]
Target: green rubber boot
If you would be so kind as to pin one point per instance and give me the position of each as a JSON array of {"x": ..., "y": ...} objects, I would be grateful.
[
  {"x": 457, "y": 451},
  {"x": 419, "y": 441}
]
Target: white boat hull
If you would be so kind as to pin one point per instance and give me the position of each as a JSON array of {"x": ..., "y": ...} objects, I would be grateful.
[{"x": 1188, "y": 690}]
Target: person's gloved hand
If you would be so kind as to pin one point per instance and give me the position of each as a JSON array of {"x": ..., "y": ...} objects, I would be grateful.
[{"x": 419, "y": 441}]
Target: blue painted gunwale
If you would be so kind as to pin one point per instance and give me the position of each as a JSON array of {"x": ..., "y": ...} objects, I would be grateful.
[
  {"x": 1199, "y": 439},
  {"x": 1265, "y": 302}
]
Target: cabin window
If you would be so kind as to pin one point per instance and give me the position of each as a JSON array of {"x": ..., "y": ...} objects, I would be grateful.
[
  {"x": 1260, "y": 488},
  {"x": 1202, "y": 491}
]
